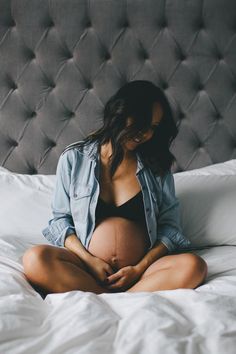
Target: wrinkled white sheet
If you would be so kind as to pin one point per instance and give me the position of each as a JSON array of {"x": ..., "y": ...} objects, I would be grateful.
[{"x": 177, "y": 321}]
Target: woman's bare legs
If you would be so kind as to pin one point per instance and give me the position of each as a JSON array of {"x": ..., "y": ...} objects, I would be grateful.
[
  {"x": 56, "y": 270},
  {"x": 184, "y": 270}
]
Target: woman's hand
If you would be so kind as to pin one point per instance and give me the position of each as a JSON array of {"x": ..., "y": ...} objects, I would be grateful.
[
  {"x": 123, "y": 279},
  {"x": 99, "y": 269}
]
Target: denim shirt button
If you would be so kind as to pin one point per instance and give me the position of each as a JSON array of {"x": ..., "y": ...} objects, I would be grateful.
[
  {"x": 147, "y": 209},
  {"x": 75, "y": 195}
]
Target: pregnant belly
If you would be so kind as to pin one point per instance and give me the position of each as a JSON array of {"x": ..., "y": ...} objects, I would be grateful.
[{"x": 119, "y": 242}]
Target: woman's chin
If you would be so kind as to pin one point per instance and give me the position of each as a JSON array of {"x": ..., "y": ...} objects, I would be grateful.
[{"x": 131, "y": 145}]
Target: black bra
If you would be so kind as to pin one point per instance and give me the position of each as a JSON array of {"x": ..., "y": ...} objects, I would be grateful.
[{"x": 133, "y": 209}]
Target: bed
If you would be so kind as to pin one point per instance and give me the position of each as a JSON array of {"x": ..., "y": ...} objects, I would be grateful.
[{"x": 59, "y": 63}]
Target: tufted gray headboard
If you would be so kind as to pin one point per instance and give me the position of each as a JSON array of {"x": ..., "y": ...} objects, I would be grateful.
[{"x": 60, "y": 61}]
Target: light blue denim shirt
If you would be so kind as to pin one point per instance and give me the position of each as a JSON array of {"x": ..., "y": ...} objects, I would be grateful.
[{"x": 76, "y": 194}]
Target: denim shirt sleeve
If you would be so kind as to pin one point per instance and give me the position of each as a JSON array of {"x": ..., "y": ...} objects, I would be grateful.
[
  {"x": 61, "y": 225},
  {"x": 169, "y": 228}
]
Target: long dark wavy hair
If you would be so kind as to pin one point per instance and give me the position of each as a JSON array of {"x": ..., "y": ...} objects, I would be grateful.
[{"x": 135, "y": 99}]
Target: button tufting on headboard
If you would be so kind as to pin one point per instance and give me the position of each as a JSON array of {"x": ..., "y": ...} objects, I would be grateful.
[
  {"x": 51, "y": 23},
  {"x": 33, "y": 171},
  {"x": 14, "y": 86},
  {"x": 15, "y": 143},
  {"x": 88, "y": 24},
  {"x": 56, "y": 74}
]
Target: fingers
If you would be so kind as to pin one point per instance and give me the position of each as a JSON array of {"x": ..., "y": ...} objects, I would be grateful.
[
  {"x": 114, "y": 277},
  {"x": 116, "y": 285},
  {"x": 110, "y": 270}
]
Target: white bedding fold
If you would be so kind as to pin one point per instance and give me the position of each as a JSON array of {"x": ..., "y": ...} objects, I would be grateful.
[{"x": 177, "y": 321}]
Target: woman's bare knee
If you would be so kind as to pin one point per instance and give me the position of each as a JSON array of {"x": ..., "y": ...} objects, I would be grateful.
[
  {"x": 57, "y": 269},
  {"x": 34, "y": 259},
  {"x": 47, "y": 253},
  {"x": 40, "y": 260},
  {"x": 195, "y": 263},
  {"x": 194, "y": 269},
  {"x": 37, "y": 253}
]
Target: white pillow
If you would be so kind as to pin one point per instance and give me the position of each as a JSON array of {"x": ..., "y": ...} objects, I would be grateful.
[
  {"x": 207, "y": 204},
  {"x": 4, "y": 170},
  {"x": 222, "y": 168},
  {"x": 207, "y": 208},
  {"x": 25, "y": 206}
]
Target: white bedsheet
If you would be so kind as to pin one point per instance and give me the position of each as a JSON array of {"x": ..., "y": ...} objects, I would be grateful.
[{"x": 177, "y": 321}]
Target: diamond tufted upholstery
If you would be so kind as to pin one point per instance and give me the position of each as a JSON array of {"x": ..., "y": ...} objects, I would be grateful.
[{"x": 61, "y": 60}]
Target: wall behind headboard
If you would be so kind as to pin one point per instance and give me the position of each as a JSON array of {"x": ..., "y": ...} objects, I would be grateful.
[{"x": 60, "y": 61}]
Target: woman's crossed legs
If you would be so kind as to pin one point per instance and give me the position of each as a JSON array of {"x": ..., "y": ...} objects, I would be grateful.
[{"x": 56, "y": 269}]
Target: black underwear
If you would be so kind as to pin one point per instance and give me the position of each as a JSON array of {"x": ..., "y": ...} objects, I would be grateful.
[{"x": 133, "y": 209}]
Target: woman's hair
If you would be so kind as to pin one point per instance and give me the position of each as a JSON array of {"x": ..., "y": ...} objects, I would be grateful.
[{"x": 136, "y": 99}]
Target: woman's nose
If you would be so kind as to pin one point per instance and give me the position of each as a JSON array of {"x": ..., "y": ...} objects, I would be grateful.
[{"x": 147, "y": 135}]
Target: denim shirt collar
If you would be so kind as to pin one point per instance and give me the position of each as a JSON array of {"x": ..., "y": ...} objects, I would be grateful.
[{"x": 92, "y": 148}]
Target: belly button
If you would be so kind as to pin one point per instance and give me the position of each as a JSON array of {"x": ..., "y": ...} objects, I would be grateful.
[{"x": 114, "y": 260}]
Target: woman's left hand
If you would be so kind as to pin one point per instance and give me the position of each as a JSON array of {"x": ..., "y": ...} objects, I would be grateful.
[{"x": 123, "y": 279}]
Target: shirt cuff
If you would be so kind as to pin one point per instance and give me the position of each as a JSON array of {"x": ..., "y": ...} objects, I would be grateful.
[
  {"x": 166, "y": 241},
  {"x": 69, "y": 231},
  {"x": 57, "y": 231}
]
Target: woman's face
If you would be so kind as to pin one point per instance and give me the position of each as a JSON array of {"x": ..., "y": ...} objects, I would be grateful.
[{"x": 142, "y": 137}]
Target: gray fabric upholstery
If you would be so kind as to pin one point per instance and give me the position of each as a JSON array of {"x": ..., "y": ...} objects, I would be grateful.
[{"x": 61, "y": 60}]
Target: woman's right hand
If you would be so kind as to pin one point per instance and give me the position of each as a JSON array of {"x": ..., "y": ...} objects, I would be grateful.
[{"x": 99, "y": 269}]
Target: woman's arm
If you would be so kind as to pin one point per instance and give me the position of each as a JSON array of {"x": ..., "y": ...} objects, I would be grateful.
[
  {"x": 159, "y": 250},
  {"x": 169, "y": 230},
  {"x": 74, "y": 244},
  {"x": 61, "y": 225}
]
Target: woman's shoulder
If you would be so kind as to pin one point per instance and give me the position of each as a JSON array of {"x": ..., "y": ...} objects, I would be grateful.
[
  {"x": 77, "y": 152},
  {"x": 77, "y": 145},
  {"x": 164, "y": 179},
  {"x": 82, "y": 146}
]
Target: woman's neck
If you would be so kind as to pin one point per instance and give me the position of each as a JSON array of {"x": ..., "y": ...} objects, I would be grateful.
[{"x": 106, "y": 152}]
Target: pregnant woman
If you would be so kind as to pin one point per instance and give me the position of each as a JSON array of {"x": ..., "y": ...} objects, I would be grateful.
[{"x": 115, "y": 214}]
